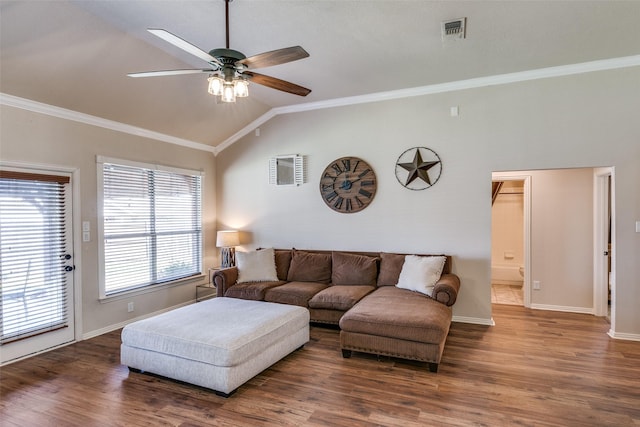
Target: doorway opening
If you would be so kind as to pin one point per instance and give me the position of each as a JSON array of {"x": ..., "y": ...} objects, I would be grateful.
[
  {"x": 570, "y": 265},
  {"x": 510, "y": 239}
]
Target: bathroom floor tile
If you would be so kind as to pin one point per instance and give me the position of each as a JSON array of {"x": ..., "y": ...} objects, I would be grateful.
[{"x": 507, "y": 294}]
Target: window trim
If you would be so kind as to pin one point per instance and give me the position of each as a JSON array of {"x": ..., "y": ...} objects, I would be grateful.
[{"x": 102, "y": 296}]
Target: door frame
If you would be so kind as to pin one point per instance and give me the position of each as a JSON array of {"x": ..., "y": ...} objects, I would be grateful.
[
  {"x": 518, "y": 176},
  {"x": 601, "y": 214},
  {"x": 76, "y": 228}
]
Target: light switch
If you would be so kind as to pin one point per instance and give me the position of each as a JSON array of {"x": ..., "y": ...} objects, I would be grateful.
[
  {"x": 86, "y": 236},
  {"x": 86, "y": 226},
  {"x": 637, "y": 226}
]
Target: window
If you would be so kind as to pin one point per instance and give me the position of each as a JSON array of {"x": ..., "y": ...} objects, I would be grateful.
[{"x": 151, "y": 226}]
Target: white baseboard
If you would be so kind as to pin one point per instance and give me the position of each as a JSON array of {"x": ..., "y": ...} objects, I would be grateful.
[
  {"x": 474, "y": 320},
  {"x": 567, "y": 309},
  {"x": 113, "y": 327},
  {"x": 623, "y": 336}
]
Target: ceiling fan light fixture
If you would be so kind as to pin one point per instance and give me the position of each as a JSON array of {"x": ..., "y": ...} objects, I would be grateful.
[
  {"x": 215, "y": 85},
  {"x": 228, "y": 69},
  {"x": 241, "y": 88},
  {"x": 228, "y": 93}
]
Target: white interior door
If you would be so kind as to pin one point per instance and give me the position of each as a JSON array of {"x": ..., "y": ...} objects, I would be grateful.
[
  {"x": 36, "y": 262},
  {"x": 603, "y": 265}
]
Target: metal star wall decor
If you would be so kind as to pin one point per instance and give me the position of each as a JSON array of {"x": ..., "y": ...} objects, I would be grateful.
[{"x": 418, "y": 168}]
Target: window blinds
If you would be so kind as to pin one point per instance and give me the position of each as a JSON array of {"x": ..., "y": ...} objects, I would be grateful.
[
  {"x": 152, "y": 231},
  {"x": 33, "y": 254}
]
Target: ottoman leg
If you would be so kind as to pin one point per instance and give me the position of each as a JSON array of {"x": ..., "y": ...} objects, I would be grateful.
[
  {"x": 346, "y": 353},
  {"x": 433, "y": 367}
]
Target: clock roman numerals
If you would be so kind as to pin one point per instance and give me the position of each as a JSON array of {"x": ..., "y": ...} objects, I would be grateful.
[
  {"x": 327, "y": 187},
  {"x": 367, "y": 183},
  {"x": 328, "y": 175},
  {"x": 329, "y": 197},
  {"x": 365, "y": 193},
  {"x": 338, "y": 203},
  {"x": 346, "y": 164},
  {"x": 364, "y": 173},
  {"x": 336, "y": 167}
]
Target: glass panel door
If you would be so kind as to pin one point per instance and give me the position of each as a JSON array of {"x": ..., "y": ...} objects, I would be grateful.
[{"x": 36, "y": 263}]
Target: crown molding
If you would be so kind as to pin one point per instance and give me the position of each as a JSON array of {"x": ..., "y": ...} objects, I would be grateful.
[
  {"x": 247, "y": 129},
  {"x": 501, "y": 79},
  {"x": 63, "y": 113}
]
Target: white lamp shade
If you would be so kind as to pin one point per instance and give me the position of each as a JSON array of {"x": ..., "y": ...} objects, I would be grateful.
[
  {"x": 227, "y": 239},
  {"x": 241, "y": 88},
  {"x": 215, "y": 85},
  {"x": 228, "y": 93}
]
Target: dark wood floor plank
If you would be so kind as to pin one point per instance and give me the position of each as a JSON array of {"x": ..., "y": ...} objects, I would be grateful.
[{"x": 534, "y": 368}]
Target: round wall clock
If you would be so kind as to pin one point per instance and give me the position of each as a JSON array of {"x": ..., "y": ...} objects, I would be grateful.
[
  {"x": 348, "y": 185},
  {"x": 418, "y": 168}
]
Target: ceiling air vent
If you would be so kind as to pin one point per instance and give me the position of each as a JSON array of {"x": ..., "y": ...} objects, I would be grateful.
[{"x": 454, "y": 29}]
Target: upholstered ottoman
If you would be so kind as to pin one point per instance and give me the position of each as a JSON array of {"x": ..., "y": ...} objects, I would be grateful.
[{"x": 220, "y": 343}]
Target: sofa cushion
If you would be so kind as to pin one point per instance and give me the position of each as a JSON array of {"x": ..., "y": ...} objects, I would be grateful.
[
  {"x": 256, "y": 266},
  {"x": 294, "y": 293},
  {"x": 251, "y": 290},
  {"x": 283, "y": 260},
  {"x": 398, "y": 313},
  {"x": 352, "y": 269},
  {"x": 390, "y": 267},
  {"x": 310, "y": 267},
  {"x": 339, "y": 297},
  {"x": 420, "y": 273}
]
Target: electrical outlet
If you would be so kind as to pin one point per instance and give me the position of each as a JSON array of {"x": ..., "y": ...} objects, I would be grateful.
[
  {"x": 130, "y": 307},
  {"x": 536, "y": 285}
]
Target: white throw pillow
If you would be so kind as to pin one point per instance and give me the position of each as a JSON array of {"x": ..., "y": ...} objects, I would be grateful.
[
  {"x": 256, "y": 266},
  {"x": 420, "y": 273}
]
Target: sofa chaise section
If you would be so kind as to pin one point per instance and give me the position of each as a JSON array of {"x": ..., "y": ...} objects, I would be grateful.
[{"x": 361, "y": 292}]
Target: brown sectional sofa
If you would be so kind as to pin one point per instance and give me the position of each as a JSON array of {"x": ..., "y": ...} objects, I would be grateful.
[{"x": 356, "y": 290}]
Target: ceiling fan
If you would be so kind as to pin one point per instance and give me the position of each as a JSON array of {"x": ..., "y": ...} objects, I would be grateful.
[{"x": 229, "y": 69}]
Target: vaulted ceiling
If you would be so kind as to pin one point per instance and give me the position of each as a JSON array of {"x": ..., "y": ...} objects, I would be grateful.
[{"x": 76, "y": 54}]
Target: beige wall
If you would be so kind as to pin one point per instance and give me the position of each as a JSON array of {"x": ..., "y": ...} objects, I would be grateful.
[
  {"x": 562, "y": 237},
  {"x": 32, "y": 138},
  {"x": 579, "y": 121}
]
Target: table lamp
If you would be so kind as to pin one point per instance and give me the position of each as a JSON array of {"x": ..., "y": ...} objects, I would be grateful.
[{"x": 227, "y": 240}]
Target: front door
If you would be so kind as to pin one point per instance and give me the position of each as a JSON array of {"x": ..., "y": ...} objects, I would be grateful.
[{"x": 36, "y": 262}]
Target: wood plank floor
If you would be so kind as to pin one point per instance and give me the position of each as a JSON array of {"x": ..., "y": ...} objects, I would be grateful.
[{"x": 534, "y": 368}]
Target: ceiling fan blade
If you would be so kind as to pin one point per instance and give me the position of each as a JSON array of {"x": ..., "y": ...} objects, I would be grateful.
[
  {"x": 167, "y": 73},
  {"x": 184, "y": 45},
  {"x": 275, "y": 83},
  {"x": 274, "y": 57}
]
